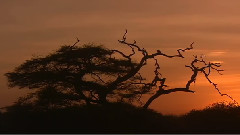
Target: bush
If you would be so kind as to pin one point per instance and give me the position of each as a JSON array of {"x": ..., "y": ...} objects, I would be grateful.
[
  {"x": 111, "y": 118},
  {"x": 216, "y": 118}
]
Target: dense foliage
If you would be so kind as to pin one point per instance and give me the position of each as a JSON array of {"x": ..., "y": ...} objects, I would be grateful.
[{"x": 74, "y": 74}]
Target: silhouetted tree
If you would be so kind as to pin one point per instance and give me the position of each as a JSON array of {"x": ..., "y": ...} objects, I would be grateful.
[{"x": 95, "y": 74}]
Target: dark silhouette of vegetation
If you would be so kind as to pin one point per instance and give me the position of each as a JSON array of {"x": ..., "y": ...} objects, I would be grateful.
[
  {"x": 90, "y": 89},
  {"x": 73, "y": 74},
  {"x": 119, "y": 118},
  {"x": 217, "y": 118},
  {"x": 97, "y": 75},
  {"x": 110, "y": 118}
]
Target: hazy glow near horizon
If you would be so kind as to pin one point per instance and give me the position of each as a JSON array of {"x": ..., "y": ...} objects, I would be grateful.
[{"x": 39, "y": 27}]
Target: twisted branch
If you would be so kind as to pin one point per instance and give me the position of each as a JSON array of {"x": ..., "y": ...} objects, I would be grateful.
[
  {"x": 209, "y": 67},
  {"x": 135, "y": 70}
]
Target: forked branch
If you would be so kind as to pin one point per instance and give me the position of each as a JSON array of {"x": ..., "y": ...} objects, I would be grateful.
[
  {"x": 145, "y": 56},
  {"x": 157, "y": 80},
  {"x": 206, "y": 66}
]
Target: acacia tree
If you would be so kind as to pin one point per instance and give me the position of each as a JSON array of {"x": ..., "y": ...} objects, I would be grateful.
[{"x": 98, "y": 75}]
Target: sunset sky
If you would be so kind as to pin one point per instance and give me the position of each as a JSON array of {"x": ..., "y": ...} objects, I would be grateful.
[{"x": 38, "y": 27}]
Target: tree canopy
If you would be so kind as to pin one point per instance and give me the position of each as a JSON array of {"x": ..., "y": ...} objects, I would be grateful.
[{"x": 72, "y": 70}]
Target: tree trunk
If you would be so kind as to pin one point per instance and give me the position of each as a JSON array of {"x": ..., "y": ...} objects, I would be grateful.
[{"x": 103, "y": 98}]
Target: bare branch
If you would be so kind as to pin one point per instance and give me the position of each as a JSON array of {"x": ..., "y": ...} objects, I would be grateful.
[
  {"x": 143, "y": 60},
  {"x": 215, "y": 86},
  {"x": 158, "y": 53},
  {"x": 162, "y": 92},
  {"x": 75, "y": 43},
  {"x": 132, "y": 45},
  {"x": 145, "y": 56},
  {"x": 196, "y": 70},
  {"x": 99, "y": 78},
  {"x": 210, "y": 66}
]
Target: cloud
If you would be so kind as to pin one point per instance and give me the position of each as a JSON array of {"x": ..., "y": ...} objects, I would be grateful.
[{"x": 217, "y": 53}]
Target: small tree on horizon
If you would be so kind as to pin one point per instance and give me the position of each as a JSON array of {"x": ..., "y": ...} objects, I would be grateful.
[{"x": 96, "y": 75}]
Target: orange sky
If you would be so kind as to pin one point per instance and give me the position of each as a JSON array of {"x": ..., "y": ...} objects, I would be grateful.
[{"x": 38, "y": 27}]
